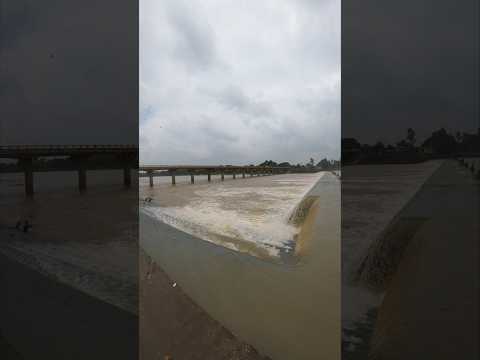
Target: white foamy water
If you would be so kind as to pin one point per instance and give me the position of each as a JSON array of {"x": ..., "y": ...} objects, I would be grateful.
[{"x": 238, "y": 212}]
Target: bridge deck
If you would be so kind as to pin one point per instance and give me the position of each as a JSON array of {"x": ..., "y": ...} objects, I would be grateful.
[
  {"x": 26, "y": 155},
  {"x": 19, "y": 151},
  {"x": 151, "y": 168}
]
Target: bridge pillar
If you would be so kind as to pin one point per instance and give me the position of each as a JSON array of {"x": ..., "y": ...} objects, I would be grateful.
[
  {"x": 150, "y": 176},
  {"x": 192, "y": 179},
  {"x": 243, "y": 175},
  {"x": 173, "y": 180},
  {"x": 234, "y": 176},
  {"x": 81, "y": 164},
  {"x": 82, "y": 178},
  {"x": 222, "y": 176},
  {"x": 209, "y": 177},
  {"x": 127, "y": 175},
  {"x": 28, "y": 171}
]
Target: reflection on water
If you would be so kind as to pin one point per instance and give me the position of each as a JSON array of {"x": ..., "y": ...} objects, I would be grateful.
[{"x": 287, "y": 311}]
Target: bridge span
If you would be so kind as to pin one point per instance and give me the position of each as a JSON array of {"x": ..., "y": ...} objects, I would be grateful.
[
  {"x": 26, "y": 154},
  {"x": 175, "y": 170}
]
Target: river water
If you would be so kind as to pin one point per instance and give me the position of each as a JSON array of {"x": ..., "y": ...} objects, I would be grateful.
[
  {"x": 88, "y": 241},
  {"x": 233, "y": 247}
]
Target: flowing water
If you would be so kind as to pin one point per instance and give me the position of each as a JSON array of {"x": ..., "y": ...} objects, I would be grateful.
[
  {"x": 204, "y": 236},
  {"x": 372, "y": 196},
  {"x": 88, "y": 241},
  {"x": 252, "y": 215}
]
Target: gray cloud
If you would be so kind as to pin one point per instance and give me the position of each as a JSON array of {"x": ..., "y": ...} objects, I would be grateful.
[
  {"x": 195, "y": 43},
  {"x": 420, "y": 70},
  {"x": 234, "y": 98},
  {"x": 239, "y": 82},
  {"x": 71, "y": 72}
]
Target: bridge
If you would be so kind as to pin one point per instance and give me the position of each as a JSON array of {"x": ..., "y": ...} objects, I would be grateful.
[
  {"x": 26, "y": 154},
  {"x": 174, "y": 170}
]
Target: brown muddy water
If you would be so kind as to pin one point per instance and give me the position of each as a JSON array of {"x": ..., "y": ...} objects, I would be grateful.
[
  {"x": 88, "y": 241},
  {"x": 285, "y": 309}
]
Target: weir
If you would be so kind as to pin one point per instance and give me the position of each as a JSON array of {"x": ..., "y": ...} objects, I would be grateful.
[
  {"x": 194, "y": 251},
  {"x": 152, "y": 171},
  {"x": 27, "y": 154}
]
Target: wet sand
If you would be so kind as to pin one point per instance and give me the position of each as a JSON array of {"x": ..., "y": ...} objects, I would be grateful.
[{"x": 171, "y": 324}]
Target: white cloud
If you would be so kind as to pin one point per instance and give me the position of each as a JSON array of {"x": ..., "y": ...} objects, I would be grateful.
[{"x": 239, "y": 82}]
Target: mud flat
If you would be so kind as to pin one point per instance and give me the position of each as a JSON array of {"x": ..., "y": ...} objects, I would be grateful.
[{"x": 284, "y": 310}]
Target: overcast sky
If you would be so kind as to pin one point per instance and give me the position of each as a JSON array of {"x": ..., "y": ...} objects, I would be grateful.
[
  {"x": 410, "y": 63},
  {"x": 236, "y": 82},
  {"x": 68, "y": 72}
]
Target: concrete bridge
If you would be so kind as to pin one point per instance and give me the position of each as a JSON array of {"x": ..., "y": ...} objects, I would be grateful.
[
  {"x": 175, "y": 170},
  {"x": 26, "y": 154}
]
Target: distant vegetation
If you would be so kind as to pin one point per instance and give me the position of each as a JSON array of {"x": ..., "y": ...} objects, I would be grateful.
[
  {"x": 309, "y": 166},
  {"x": 440, "y": 144}
]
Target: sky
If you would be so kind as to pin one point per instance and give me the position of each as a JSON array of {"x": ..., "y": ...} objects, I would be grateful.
[
  {"x": 410, "y": 63},
  {"x": 69, "y": 72},
  {"x": 239, "y": 82}
]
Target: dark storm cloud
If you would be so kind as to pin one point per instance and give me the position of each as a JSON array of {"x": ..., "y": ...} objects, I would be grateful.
[
  {"x": 408, "y": 64},
  {"x": 69, "y": 72}
]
